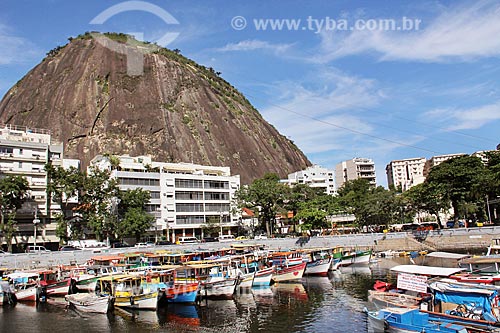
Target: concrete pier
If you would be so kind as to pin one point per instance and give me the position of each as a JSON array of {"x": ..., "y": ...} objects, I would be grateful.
[{"x": 475, "y": 240}]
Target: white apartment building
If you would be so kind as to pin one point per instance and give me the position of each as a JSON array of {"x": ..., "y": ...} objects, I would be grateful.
[
  {"x": 405, "y": 173},
  {"x": 184, "y": 196},
  {"x": 25, "y": 151},
  {"x": 314, "y": 176},
  {"x": 353, "y": 169},
  {"x": 436, "y": 160}
]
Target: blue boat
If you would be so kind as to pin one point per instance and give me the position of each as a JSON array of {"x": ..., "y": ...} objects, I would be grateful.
[{"x": 404, "y": 320}]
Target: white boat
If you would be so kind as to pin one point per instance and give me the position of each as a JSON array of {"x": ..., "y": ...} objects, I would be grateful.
[
  {"x": 289, "y": 273},
  {"x": 213, "y": 287},
  {"x": 318, "y": 267},
  {"x": 263, "y": 277},
  {"x": 25, "y": 285},
  {"x": 89, "y": 302},
  {"x": 246, "y": 280},
  {"x": 385, "y": 299}
]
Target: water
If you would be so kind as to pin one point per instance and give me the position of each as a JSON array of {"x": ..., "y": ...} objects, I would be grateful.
[{"x": 318, "y": 304}]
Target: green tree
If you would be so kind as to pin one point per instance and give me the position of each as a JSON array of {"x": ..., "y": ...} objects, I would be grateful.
[
  {"x": 265, "y": 194},
  {"x": 13, "y": 190},
  {"x": 133, "y": 220},
  {"x": 64, "y": 185},
  {"x": 297, "y": 195},
  {"x": 461, "y": 179},
  {"x": 311, "y": 216},
  {"x": 428, "y": 197},
  {"x": 98, "y": 195}
]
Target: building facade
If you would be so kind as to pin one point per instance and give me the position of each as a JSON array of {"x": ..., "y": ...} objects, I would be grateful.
[
  {"x": 24, "y": 152},
  {"x": 185, "y": 197},
  {"x": 405, "y": 173},
  {"x": 314, "y": 176},
  {"x": 356, "y": 168}
]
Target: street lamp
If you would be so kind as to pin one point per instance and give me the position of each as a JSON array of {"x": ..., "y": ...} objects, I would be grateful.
[
  {"x": 488, "y": 206},
  {"x": 35, "y": 222}
]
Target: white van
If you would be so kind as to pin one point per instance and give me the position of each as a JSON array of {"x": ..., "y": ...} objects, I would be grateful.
[
  {"x": 226, "y": 238},
  {"x": 187, "y": 240},
  {"x": 36, "y": 249}
]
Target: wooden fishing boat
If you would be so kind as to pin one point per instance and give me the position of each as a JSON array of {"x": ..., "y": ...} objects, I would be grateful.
[
  {"x": 407, "y": 320},
  {"x": 128, "y": 291},
  {"x": 284, "y": 273},
  {"x": 384, "y": 299},
  {"x": 90, "y": 302},
  {"x": 318, "y": 263}
]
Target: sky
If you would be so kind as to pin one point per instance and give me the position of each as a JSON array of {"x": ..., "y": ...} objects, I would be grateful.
[{"x": 386, "y": 79}]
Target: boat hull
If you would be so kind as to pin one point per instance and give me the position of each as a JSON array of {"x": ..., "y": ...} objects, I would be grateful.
[
  {"x": 224, "y": 288},
  {"x": 180, "y": 293},
  {"x": 318, "y": 267},
  {"x": 89, "y": 302},
  {"x": 263, "y": 277},
  {"x": 290, "y": 273},
  {"x": 140, "y": 302}
]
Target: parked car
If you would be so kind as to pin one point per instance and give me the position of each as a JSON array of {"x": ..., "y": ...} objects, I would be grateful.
[
  {"x": 119, "y": 245},
  {"x": 260, "y": 237},
  {"x": 209, "y": 239},
  {"x": 141, "y": 245},
  {"x": 241, "y": 238},
  {"x": 187, "y": 240},
  {"x": 163, "y": 242},
  {"x": 69, "y": 248},
  {"x": 36, "y": 249}
]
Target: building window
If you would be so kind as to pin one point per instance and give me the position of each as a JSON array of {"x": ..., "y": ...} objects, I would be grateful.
[
  {"x": 189, "y": 207},
  {"x": 212, "y": 207},
  {"x": 190, "y": 219},
  {"x": 188, "y": 183},
  {"x": 216, "y": 196},
  {"x": 187, "y": 195},
  {"x": 155, "y": 195},
  {"x": 216, "y": 184},
  {"x": 139, "y": 181}
]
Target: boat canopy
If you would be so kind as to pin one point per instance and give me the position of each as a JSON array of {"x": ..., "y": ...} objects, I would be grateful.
[
  {"x": 447, "y": 255},
  {"x": 449, "y": 291},
  {"x": 426, "y": 270}
]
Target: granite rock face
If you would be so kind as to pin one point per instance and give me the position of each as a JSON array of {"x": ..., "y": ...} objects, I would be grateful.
[{"x": 170, "y": 108}]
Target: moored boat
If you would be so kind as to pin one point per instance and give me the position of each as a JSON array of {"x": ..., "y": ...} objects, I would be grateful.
[
  {"x": 407, "y": 320},
  {"x": 291, "y": 273},
  {"x": 384, "y": 299},
  {"x": 90, "y": 302}
]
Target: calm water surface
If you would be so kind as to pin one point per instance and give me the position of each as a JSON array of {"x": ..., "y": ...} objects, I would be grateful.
[{"x": 320, "y": 304}]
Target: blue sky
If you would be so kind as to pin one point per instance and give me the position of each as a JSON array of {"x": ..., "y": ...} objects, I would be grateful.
[{"x": 336, "y": 80}]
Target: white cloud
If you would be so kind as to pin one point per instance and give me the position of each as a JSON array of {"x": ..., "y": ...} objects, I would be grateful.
[
  {"x": 325, "y": 112},
  {"x": 464, "y": 32},
  {"x": 254, "y": 44},
  {"x": 472, "y": 118},
  {"x": 14, "y": 50}
]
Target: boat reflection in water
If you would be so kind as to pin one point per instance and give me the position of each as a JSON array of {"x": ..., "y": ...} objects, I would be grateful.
[
  {"x": 291, "y": 290},
  {"x": 175, "y": 317}
]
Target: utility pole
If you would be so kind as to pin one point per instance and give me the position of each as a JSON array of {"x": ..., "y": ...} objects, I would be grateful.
[{"x": 35, "y": 222}]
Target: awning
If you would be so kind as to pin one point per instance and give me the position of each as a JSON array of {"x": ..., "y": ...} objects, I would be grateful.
[{"x": 426, "y": 270}]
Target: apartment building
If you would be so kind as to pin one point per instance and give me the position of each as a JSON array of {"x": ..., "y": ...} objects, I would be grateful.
[
  {"x": 436, "y": 160},
  {"x": 405, "y": 173},
  {"x": 185, "y": 197},
  {"x": 355, "y": 168},
  {"x": 24, "y": 151},
  {"x": 314, "y": 176}
]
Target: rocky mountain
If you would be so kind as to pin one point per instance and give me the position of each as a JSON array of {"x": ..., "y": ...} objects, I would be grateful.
[{"x": 108, "y": 93}]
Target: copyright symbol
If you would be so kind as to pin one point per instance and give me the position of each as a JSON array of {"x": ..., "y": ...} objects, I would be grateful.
[{"x": 238, "y": 23}]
